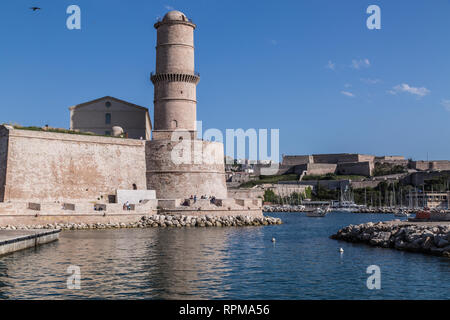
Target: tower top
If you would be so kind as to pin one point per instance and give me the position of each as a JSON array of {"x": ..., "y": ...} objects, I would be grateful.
[{"x": 174, "y": 16}]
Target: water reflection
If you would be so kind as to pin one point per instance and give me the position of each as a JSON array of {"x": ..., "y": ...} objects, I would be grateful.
[{"x": 222, "y": 263}]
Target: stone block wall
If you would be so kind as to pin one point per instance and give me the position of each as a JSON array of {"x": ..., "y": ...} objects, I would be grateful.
[
  {"x": 296, "y": 160},
  {"x": 431, "y": 165},
  {"x": 342, "y": 157},
  {"x": 356, "y": 168},
  {"x": 389, "y": 158},
  {"x": 286, "y": 189},
  {"x": 365, "y": 184},
  {"x": 3, "y": 160},
  {"x": 420, "y": 165},
  {"x": 245, "y": 193},
  {"x": 46, "y": 166},
  {"x": 135, "y": 196},
  {"x": 418, "y": 178},
  {"x": 179, "y": 169},
  {"x": 440, "y": 165},
  {"x": 328, "y": 184},
  {"x": 320, "y": 168}
]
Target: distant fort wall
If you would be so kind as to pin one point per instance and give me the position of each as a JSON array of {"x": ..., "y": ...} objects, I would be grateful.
[
  {"x": 45, "y": 166},
  {"x": 3, "y": 163},
  {"x": 342, "y": 157},
  {"x": 430, "y": 165},
  {"x": 328, "y": 184},
  {"x": 316, "y": 169},
  {"x": 356, "y": 168},
  {"x": 418, "y": 178},
  {"x": 296, "y": 160},
  {"x": 389, "y": 158}
]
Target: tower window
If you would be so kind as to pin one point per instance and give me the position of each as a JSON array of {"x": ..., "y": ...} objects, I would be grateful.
[
  {"x": 108, "y": 118},
  {"x": 174, "y": 124},
  {"x": 108, "y": 104}
]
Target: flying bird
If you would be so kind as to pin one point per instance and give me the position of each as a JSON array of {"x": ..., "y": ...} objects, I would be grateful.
[{"x": 35, "y": 8}]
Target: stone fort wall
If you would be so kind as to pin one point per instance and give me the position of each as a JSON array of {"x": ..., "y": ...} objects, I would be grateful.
[
  {"x": 179, "y": 169},
  {"x": 297, "y": 160},
  {"x": 431, "y": 165},
  {"x": 3, "y": 163},
  {"x": 316, "y": 168},
  {"x": 45, "y": 166},
  {"x": 356, "y": 168},
  {"x": 342, "y": 157}
]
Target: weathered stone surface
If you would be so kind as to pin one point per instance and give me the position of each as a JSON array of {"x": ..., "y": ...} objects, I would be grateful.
[
  {"x": 161, "y": 221},
  {"x": 172, "y": 180},
  {"x": 47, "y": 166},
  {"x": 415, "y": 237}
]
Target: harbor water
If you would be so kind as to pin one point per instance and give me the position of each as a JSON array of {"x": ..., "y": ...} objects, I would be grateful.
[{"x": 222, "y": 263}]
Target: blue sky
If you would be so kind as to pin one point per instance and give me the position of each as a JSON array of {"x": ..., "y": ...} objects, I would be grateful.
[{"x": 309, "y": 68}]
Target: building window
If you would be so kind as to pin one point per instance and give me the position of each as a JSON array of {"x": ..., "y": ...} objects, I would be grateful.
[
  {"x": 108, "y": 104},
  {"x": 174, "y": 124},
  {"x": 108, "y": 118}
]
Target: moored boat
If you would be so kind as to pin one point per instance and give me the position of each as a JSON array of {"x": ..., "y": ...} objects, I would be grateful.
[
  {"x": 401, "y": 213},
  {"x": 319, "y": 212}
]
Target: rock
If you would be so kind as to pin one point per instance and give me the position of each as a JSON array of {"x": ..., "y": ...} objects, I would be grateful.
[
  {"x": 427, "y": 243},
  {"x": 442, "y": 243},
  {"x": 365, "y": 236},
  {"x": 446, "y": 249},
  {"x": 163, "y": 221},
  {"x": 413, "y": 237}
]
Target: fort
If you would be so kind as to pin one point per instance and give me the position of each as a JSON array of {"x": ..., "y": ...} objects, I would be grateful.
[
  {"x": 320, "y": 164},
  {"x": 52, "y": 177}
]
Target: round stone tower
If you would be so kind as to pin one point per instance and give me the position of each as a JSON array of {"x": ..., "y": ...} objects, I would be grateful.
[
  {"x": 175, "y": 79},
  {"x": 178, "y": 164}
]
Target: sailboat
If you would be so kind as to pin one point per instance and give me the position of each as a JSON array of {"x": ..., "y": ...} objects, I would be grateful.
[
  {"x": 401, "y": 213},
  {"x": 346, "y": 202}
]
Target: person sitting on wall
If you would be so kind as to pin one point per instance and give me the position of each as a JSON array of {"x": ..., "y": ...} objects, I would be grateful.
[
  {"x": 191, "y": 197},
  {"x": 128, "y": 206}
]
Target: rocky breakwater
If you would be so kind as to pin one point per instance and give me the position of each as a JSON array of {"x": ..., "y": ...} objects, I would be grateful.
[
  {"x": 429, "y": 238},
  {"x": 162, "y": 221}
]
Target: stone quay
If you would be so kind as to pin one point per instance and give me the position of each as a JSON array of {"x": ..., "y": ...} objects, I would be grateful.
[{"x": 15, "y": 240}]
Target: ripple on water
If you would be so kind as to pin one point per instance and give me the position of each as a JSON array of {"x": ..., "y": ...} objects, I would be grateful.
[{"x": 223, "y": 263}]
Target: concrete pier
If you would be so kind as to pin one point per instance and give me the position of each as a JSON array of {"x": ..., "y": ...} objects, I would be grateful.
[{"x": 15, "y": 240}]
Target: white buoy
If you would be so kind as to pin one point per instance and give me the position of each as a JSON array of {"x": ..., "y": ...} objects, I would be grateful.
[
  {"x": 341, "y": 250},
  {"x": 273, "y": 240}
]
